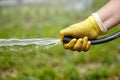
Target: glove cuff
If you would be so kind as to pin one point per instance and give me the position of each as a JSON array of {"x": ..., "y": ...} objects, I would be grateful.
[{"x": 99, "y": 22}]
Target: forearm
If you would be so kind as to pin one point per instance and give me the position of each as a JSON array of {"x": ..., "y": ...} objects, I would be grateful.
[{"x": 110, "y": 13}]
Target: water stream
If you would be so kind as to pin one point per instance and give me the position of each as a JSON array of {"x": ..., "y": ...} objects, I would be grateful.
[{"x": 33, "y": 41}]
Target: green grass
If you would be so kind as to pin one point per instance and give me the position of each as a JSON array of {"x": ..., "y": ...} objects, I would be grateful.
[{"x": 32, "y": 62}]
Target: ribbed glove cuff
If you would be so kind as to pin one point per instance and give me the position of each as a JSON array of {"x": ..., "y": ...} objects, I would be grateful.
[{"x": 99, "y": 22}]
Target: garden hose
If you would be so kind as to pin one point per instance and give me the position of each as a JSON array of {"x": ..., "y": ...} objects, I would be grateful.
[{"x": 97, "y": 41}]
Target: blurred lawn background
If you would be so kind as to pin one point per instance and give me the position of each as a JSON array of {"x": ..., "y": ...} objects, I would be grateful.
[{"x": 101, "y": 62}]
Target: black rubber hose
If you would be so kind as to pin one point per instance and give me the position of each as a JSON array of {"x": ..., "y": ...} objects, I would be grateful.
[{"x": 97, "y": 41}]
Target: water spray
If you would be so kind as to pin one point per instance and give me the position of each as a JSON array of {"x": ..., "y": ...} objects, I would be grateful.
[
  {"x": 98, "y": 41},
  {"x": 52, "y": 41}
]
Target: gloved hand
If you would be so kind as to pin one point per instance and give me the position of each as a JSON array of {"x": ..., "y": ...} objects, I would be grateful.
[
  {"x": 78, "y": 44},
  {"x": 92, "y": 27}
]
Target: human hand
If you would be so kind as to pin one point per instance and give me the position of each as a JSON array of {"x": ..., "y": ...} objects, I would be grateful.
[
  {"x": 78, "y": 44},
  {"x": 92, "y": 27}
]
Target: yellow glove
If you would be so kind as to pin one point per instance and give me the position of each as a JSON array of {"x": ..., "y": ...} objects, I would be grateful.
[
  {"x": 78, "y": 44},
  {"x": 92, "y": 27}
]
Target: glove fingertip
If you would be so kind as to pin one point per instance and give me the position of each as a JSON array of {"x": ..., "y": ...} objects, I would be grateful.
[
  {"x": 85, "y": 40},
  {"x": 71, "y": 44},
  {"x": 87, "y": 46},
  {"x": 61, "y": 38}
]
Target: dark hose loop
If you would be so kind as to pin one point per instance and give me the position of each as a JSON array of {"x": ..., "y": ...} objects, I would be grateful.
[{"x": 97, "y": 41}]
